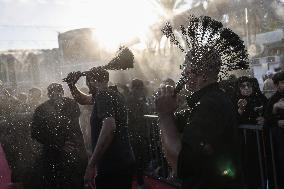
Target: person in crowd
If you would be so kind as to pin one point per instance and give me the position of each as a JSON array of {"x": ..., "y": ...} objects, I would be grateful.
[
  {"x": 139, "y": 135},
  {"x": 201, "y": 146},
  {"x": 250, "y": 104},
  {"x": 112, "y": 160},
  {"x": 23, "y": 107},
  {"x": 123, "y": 89},
  {"x": 275, "y": 121},
  {"x": 55, "y": 125},
  {"x": 268, "y": 86},
  {"x": 34, "y": 98}
]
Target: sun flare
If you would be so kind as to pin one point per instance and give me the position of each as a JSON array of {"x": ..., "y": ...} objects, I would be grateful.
[{"x": 121, "y": 22}]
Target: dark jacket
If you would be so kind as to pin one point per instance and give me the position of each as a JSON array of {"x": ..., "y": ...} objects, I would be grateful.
[{"x": 210, "y": 156}]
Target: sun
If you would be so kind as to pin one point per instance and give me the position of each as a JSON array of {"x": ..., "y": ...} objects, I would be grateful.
[{"x": 122, "y": 22}]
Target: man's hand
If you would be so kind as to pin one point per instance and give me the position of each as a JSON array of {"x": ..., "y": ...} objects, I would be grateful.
[
  {"x": 260, "y": 120},
  {"x": 281, "y": 123},
  {"x": 69, "y": 147},
  {"x": 72, "y": 77},
  {"x": 279, "y": 104},
  {"x": 89, "y": 178},
  {"x": 165, "y": 100},
  {"x": 242, "y": 104}
]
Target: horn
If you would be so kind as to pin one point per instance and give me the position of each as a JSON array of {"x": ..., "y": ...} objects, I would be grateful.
[{"x": 122, "y": 61}]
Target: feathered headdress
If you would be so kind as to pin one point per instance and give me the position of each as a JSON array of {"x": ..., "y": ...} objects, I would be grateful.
[{"x": 207, "y": 41}]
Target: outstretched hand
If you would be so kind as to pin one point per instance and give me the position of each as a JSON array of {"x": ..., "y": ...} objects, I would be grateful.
[{"x": 165, "y": 100}]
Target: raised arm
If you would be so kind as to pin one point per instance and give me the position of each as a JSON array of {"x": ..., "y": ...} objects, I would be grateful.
[
  {"x": 166, "y": 104},
  {"x": 78, "y": 95}
]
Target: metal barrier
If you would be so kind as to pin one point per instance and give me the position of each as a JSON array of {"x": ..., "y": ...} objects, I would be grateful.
[{"x": 262, "y": 157}]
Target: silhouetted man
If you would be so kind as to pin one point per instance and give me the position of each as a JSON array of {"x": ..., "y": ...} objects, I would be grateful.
[
  {"x": 56, "y": 126},
  {"x": 112, "y": 159}
]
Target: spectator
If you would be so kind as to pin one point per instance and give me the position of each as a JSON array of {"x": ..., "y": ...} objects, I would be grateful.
[
  {"x": 275, "y": 120},
  {"x": 56, "y": 126},
  {"x": 34, "y": 97},
  {"x": 268, "y": 86},
  {"x": 139, "y": 136},
  {"x": 250, "y": 103}
]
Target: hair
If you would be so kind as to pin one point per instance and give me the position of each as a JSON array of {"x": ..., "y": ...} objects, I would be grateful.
[
  {"x": 137, "y": 84},
  {"x": 35, "y": 90},
  {"x": 243, "y": 79},
  {"x": 98, "y": 73},
  {"x": 54, "y": 87},
  {"x": 279, "y": 76},
  {"x": 169, "y": 81}
]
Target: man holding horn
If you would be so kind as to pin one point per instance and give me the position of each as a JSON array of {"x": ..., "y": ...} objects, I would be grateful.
[
  {"x": 111, "y": 164},
  {"x": 201, "y": 144}
]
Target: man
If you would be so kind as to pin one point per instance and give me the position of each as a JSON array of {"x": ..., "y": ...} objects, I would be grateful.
[
  {"x": 112, "y": 159},
  {"x": 268, "y": 86},
  {"x": 137, "y": 108},
  {"x": 34, "y": 98},
  {"x": 56, "y": 126},
  {"x": 201, "y": 146},
  {"x": 274, "y": 116}
]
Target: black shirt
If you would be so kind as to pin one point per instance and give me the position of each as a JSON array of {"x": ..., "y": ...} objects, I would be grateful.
[
  {"x": 209, "y": 157},
  {"x": 272, "y": 119},
  {"x": 119, "y": 156}
]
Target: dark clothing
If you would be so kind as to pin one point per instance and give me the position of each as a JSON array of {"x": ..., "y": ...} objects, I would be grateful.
[
  {"x": 119, "y": 155},
  {"x": 210, "y": 156},
  {"x": 277, "y": 134},
  {"x": 254, "y": 109},
  {"x": 54, "y": 123},
  {"x": 139, "y": 134}
]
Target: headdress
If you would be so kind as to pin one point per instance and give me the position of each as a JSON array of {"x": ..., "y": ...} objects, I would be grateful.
[{"x": 210, "y": 45}]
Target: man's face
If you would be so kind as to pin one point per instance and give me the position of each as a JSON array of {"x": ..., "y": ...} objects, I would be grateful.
[
  {"x": 56, "y": 94},
  {"x": 280, "y": 86},
  {"x": 92, "y": 84},
  {"x": 192, "y": 78},
  {"x": 246, "y": 88}
]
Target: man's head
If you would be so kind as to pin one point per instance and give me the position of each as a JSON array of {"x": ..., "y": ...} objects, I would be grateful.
[
  {"x": 201, "y": 68},
  {"x": 23, "y": 97},
  {"x": 97, "y": 78},
  {"x": 137, "y": 87},
  {"x": 278, "y": 80},
  {"x": 34, "y": 95},
  {"x": 169, "y": 81},
  {"x": 55, "y": 91}
]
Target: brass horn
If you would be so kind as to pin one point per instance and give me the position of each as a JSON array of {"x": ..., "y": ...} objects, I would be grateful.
[{"x": 122, "y": 61}]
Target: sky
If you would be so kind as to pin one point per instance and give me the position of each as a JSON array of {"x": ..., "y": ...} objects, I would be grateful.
[{"x": 35, "y": 24}]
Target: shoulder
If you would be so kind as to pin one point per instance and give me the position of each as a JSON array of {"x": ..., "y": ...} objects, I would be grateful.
[
  {"x": 42, "y": 107},
  {"x": 215, "y": 98},
  {"x": 70, "y": 101}
]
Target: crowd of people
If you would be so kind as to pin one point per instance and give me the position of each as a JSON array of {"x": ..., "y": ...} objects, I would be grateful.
[
  {"x": 51, "y": 140},
  {"x": 104, "y": 136},
  {"x": 51, "y": 137}
]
